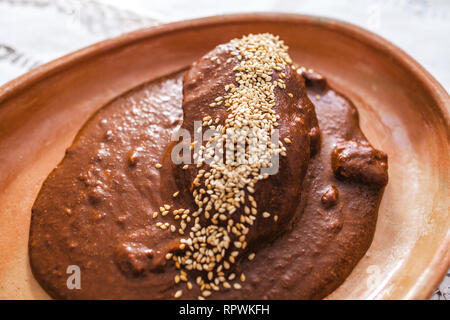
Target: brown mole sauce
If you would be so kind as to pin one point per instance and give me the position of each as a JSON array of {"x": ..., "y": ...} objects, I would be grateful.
[{"x": 95, "y": 210}]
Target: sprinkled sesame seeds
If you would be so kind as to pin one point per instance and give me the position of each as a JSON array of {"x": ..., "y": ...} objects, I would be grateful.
[
  {"x": 158, "y": 165},
  {"x": 223, "y": 191},
  {"x": 251, "y": 256}
]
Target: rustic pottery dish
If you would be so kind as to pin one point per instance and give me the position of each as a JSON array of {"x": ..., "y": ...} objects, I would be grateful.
[{"x": 403, "y": 111}]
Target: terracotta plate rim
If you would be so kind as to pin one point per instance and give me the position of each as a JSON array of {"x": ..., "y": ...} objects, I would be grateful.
[{"x": 440, "y": 263}]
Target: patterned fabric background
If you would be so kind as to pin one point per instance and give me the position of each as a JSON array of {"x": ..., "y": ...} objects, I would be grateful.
[{"x": 33, "y": 32}]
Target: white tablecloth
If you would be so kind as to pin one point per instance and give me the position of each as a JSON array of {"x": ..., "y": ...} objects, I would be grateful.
[{"x": 33, "y": 32}]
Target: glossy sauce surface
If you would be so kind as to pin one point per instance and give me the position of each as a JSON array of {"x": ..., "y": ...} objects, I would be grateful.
[{"x": 95, "y": 209}]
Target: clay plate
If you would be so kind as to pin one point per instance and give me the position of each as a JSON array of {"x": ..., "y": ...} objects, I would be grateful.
[{"x": 403, "y": 112}]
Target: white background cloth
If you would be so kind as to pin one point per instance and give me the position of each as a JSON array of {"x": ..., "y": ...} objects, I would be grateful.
[
  {"x": 37, "y": 31},
  {"x": 33, "y": 32}
]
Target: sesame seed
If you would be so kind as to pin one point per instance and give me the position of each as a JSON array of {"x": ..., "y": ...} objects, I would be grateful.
[
  {"x": 222, "y": 192},
  {"x": 158, "y": 165},
  {"x": 287, "y": 140},
  {"x": 251, "y": 256},
  {"x": 176, "y": 194},
  {"x": 178, "y": 294}
]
